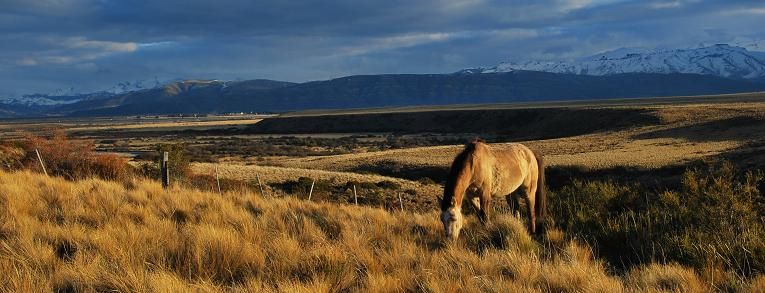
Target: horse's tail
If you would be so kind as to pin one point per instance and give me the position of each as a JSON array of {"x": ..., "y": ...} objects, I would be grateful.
[{"x": 540, "y": 205}]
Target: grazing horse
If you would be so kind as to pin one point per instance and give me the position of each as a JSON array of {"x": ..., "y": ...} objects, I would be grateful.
[{"x": 483, "y": 173}]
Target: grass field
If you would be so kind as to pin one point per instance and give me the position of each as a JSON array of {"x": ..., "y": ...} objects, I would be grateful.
[{"x": 93, "y": 235}]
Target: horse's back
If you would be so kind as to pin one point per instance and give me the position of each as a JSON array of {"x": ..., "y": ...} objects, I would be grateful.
[
  {"x": 515, "y": 153},
  {"x": 513, "y": 159},
  {"x": 512, "y": 165}
]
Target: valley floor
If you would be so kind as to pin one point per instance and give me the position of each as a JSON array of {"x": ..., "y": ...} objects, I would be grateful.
[{"x": 93, "y": 235}]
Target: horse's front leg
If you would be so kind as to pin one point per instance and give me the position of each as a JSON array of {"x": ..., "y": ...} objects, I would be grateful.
[
  {"x": 514, "y": 203},
  {"x": 483, "y": 213}
]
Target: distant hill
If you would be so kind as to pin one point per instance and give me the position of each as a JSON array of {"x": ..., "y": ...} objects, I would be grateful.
[
  {"x": 364, "y": 91},
  {"x": 190, "y": 96}
]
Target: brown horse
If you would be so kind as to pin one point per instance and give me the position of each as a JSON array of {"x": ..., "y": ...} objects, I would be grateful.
[{"x": 484, "y": 173}]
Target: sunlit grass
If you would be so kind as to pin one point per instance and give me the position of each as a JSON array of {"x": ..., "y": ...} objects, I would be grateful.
[{"x": 94, "y": 235}]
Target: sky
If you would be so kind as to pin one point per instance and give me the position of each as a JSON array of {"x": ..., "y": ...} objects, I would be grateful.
[{"x": 89, "y": 45}]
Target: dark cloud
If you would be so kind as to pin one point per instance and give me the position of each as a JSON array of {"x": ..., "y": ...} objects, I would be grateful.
[{"x": 91, "y": 44}]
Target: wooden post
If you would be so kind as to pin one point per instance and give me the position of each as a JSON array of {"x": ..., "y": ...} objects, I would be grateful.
[
  {"x": 400, "y": 202},
  {"x": 165, "y": 170},
  {"x": 311, "y": 191},
  {"x": 217, "y": 178},
  {"x": 355, "y": 198},
  {"x": 260, "y": 185},
  {"x": 41, "y": 162}
]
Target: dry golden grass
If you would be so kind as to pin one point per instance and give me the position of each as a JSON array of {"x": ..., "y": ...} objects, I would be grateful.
[
  {"x": 93, "y": 235},
  {"x": 635, "y": 147},
  {"x": 663, "y": 278},
  {"x": 174, "y": 125},
  {"x": 14, "y": 129},
  {"x": 607, "y": 151},
  {"x": 273, "y": 174}
]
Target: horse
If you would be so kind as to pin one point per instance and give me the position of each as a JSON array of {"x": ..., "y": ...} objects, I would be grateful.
[{"x": 487, "y": 173}]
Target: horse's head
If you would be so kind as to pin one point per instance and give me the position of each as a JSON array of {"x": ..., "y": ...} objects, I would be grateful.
[{"x": 452, "y": 220}]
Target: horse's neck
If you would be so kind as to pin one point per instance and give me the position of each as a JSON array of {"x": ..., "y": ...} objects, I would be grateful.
[{"x": 461, "y": 185}]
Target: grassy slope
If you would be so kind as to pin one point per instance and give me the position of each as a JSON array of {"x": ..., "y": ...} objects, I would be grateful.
[
  {"x": 684, "y": 133},
  {"x": 97, "y": 235}
]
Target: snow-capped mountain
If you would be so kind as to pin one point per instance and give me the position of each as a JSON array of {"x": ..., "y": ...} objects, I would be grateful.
[
  {"x": 720, "y": 60},
  {"x": 41, "y": 100},
  {"x": 128, "y": 86},
  {"x": 71, "y": 95}
]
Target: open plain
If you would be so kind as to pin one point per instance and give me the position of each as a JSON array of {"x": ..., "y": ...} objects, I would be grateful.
[{"x": 247, "y": 179}]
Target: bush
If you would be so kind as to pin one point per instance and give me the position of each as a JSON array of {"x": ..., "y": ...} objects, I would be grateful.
[
  {"x": 300, "y": 187},
  {"x": 387, "y": 184},
  {"x": 11, "y": 157},
  {"x": 73, "y": 159},
  {"x": 426, "y": 181},
  {"x": 178, "y": 163},
  {"x": 715, "y": 219}
]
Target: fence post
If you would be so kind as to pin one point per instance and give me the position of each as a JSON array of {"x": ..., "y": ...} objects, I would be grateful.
[
  {"x": 400, "y": 202},
  {"x": 165, "y": 170},
  {"x": 311, "y": 191},
  {"x": 355, "y": 198},
  {"x": 260, "y": 185},
  {"x": 41, "y": 162},
  {"x": 217, "y": 178}
]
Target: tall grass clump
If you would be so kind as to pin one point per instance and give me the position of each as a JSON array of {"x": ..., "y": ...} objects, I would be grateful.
[{"x": 715, "y": 222}]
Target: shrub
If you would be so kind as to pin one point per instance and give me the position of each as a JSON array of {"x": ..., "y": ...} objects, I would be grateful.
[
  {"x": 178, "y": 163},
  {"x": 300, "y": 187},
  {"x": 73, "y": 159},
  {"x": 387, "y": 184},
  {"x": 714, "y": 219},
  {"x": 426, "y": 181},
  {"x": 11, "y": 157}
]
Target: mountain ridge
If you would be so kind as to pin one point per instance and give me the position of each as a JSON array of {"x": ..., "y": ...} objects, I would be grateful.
[
  {"x": 364, "y": 91},
  {"x": 720, "y": 60},
  {"x": 622, "y": 73}
]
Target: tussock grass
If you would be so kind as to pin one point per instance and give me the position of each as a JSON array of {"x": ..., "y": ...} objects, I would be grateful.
[{"x": 93, "y": 235}]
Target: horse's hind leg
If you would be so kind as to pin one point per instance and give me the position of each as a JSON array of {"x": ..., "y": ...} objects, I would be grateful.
[{"x": 530, "y": 202}]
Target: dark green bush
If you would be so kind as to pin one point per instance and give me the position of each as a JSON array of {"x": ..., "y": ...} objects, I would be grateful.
[
  {"x": 387, "y": 184},
  {"x": 178, "y": 162},
  {"x": 716, "y": 218}
]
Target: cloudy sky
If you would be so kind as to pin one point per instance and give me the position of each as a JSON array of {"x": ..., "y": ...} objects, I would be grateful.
[{"x": 92, "y": 44}]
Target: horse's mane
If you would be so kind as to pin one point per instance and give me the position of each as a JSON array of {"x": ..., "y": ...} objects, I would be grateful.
[{"x": 458, "y": 164}]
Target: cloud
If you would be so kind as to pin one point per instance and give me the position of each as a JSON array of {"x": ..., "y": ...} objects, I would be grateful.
[
  {"x": 103, "y": 46},
  {"x": 54, "y": 50},
  {"x": 746, "y": 11},
  {"x": 91, "y": 44}
]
